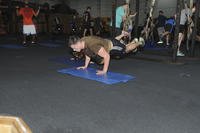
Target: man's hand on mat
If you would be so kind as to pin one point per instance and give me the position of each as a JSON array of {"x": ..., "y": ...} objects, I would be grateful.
[
  {"x": 81, "y": 67},
  {"x": 100, "y": 72}
]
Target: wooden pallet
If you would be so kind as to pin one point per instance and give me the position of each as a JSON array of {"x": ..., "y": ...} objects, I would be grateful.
[{"x": 9, "y": 124}]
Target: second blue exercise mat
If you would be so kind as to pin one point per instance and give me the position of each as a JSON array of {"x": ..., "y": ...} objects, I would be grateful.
[
  {"x": 90, "y": 73},
  {"x": 12, "y": 46}
]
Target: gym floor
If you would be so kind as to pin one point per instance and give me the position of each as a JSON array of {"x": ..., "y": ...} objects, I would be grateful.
[{"x": 164, "y": 97}]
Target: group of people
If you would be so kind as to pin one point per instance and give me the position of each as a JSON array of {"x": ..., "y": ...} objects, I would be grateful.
[
  {"x": 97, "y": 47},
  {"x": 92, "y": 46},
  {"x": 165, "y": 27}
]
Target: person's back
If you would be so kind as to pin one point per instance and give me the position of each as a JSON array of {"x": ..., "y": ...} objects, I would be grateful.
[
  {"x": 94, "y": 43},
  {"x": 119, "y": 16},
  {"x": 161, "y": 20}
]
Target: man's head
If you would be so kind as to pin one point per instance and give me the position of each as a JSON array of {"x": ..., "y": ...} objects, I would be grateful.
[
  {"x": 75, "y": 43},
  {"x": 26, "y": 4},
  {"x": 161, "y": 12},
  {"x": 88, "y": 9},
  {"x": 126, "y": 5}
]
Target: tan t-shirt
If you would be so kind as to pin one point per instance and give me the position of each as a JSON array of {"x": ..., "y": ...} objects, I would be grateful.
[{"x": 93, "y": 44}]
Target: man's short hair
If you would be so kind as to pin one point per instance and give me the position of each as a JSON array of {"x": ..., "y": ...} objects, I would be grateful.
[
  {"x": 88, "y": 7},
  {"x": 161, "y": 11},
  {"x": 73, "y": 39}
]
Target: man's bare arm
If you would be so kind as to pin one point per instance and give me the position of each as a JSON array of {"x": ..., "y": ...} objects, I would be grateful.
[
  {"x": 106, "y": 57},
  {"x": 87, "y": 61}
]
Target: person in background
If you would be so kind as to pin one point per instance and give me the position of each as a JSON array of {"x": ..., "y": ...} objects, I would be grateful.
[
  {"x": 160, "y": 23},
  {"x": 28, "y": 26},
  {"x": 169, "y": 28},
  {"x": 93, "y": 45},
  {"x": 185, "y": 16},
  {"x": 121, "y": 14},
  {"x": 87, "y": 22}
]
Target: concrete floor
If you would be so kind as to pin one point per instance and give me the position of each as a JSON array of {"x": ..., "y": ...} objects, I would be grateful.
[{"x": 164, "y": 97}]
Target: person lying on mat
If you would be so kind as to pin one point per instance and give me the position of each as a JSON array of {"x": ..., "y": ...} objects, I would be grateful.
[{"x": 93, "y": 45}]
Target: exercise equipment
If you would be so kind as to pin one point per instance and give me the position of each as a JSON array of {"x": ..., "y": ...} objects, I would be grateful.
[
  {"x": 12, "y": 46},
  {"x": 90, "y": 73}
]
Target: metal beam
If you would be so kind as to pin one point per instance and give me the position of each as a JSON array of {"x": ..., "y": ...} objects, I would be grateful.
[
  {"x": 137, "y": 7},
  {"x": 194, "y": 31}
]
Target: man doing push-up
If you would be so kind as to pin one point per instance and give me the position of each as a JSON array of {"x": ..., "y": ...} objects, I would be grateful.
[{"x": 93, "y": 45}]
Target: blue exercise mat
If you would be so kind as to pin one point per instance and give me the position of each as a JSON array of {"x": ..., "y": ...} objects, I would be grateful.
[
  {"x": 90, "y": 73},
  {"x": 12, "y": 46},
  {"x": 68, "y": 61}
]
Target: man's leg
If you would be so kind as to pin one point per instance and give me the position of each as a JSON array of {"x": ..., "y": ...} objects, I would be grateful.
[
  {"x": 84, "y": 32},
  {"x": 33, "y": 39},
  {"x": 134, "y": 44},
  {"x": 33, "y": 33},
  {"x": 198, "y": 38},
  {"x": 24, "y": 39},
  {"x": 180, "y": 38},
  {"x": 91, "y": 32},
  {"x": 167, "y": 39}
]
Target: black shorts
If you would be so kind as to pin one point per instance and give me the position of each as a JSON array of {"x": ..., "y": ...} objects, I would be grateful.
[
  {"x": 118, "y": 48},
  {"x": 87, "y": 25},
  {"x": 169, "y": 28},
  {"x": 182, "y": 28}
]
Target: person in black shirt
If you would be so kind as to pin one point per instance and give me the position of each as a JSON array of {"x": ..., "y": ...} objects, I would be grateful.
[
  {"x": 160, "y": 23},
  {"x": 87, "y": 22}
]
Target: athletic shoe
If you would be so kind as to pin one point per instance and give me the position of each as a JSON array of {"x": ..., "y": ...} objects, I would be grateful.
[
  {"x": 141, "y": 42},
  {"x": 25, "y": 44},
  {"x": 160, "y": 42},
  {"x": 180, "y": 53},
  {"x": 136, "y": 40},
  {"x": 33, "y": 42}
]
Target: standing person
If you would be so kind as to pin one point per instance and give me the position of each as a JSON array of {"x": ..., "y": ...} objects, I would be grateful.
[
  {"x": 169, "y": 28},
  {"x": 160, "y": 23},
  {"x": 87, "y": 22},
  {"x": 121, "y": 14},
  {"x": 28, "y": 26},
  {"x": 93, "y": 45},
  {"x": 185, "y": 17}
]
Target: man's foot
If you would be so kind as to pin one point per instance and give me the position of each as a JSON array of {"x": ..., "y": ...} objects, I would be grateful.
[
  {"x": 180, "y": 53},
  {"x": 135, "y": 40},
  {"x": 160, "y": 42},
  {"x": 135, "y": 50},
  {"x": 33, "y": 42},
  {"x": 141, "y": 42},
  {"x": 24, "y": 44}
]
